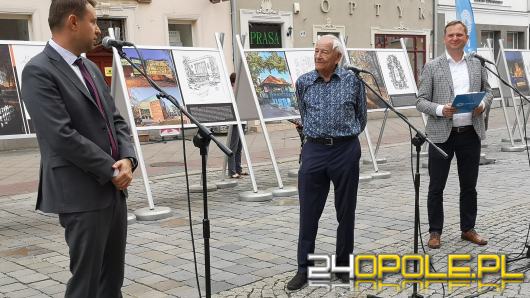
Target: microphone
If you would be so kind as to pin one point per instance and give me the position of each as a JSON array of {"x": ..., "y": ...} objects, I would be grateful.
[
  {"x": 482, "y": 59},
  {"x": 356, "y": 69},
  {"x": 109, "y": 43}
]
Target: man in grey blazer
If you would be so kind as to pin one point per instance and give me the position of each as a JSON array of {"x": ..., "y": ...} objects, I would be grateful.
[
  {"x": 87, "y": 157},
  {"x": 457, "y": 134}
]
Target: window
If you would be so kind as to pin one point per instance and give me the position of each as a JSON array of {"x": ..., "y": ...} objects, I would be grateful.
[
  {"x": 14, "y": 29},
  {"x": 515, "y": 40},
  {"x": 117, "y": 24},
  {"x": 494, "y": 36},
  {"x": 180, "y": 35},
  {"x": 415, "y": 45}
]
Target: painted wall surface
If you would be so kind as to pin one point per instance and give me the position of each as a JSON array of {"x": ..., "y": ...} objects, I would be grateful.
[{"x": 36, "y": 12}]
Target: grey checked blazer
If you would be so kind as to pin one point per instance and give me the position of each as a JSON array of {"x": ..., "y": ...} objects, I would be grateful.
[{"x": 436, "y": 87}]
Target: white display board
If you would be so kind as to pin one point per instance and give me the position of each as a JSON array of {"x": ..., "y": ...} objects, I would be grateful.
[
  {"x": 272, "y": 84},
  {"x": 492, "y": 80},
  {"x": 15, "y": 121},
  {"x": 300, "y": 61},
  {"x": 203, "y": 84},
  {"x": 398, "y": 79},
  {"x": 191, "y": 75},
  {"x": 392, "y": 75}
]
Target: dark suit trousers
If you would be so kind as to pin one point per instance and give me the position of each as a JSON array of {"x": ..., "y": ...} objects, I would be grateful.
[
  {"x": 320, "y": 165},
  {"x": 96, "y": 241},
  {"x": 466, "y": 147}
]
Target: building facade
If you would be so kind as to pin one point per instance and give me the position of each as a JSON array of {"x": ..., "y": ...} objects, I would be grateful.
[
  {"x": 361, "y": 23},
  {"x": 144, "y": 22},
  {"x": 495, "y": 19}
]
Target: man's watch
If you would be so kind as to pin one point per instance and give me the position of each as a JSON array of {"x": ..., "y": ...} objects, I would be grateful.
[{"x": 134, "y": 162}]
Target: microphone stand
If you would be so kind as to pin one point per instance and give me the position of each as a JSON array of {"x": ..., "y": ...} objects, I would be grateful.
[
  {"x": 483, "y": 62},
  {"x": 417, "y": 141},
  {"x": 202, "y": 141}
]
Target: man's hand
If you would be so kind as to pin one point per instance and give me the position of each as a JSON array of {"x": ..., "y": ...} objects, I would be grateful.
[
  {"x": 448, "y": 111},
  {"x": 478, "y": 110},
  {"x": 124, "y": 178}
]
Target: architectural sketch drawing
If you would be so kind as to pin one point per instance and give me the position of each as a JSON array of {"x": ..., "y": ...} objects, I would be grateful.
[
  {"x": 200, "y": 77},
  {"x": 396, "y": 72}
]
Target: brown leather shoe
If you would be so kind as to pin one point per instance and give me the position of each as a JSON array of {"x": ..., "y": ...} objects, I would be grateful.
[
  {"x": 434, "y": 240},
  {"x": 473, "y": 236}
]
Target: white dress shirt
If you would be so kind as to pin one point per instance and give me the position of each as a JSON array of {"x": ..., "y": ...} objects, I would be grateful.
[
  {"x": 69, "y": 57},
  {"x": 460, "y": 77}
]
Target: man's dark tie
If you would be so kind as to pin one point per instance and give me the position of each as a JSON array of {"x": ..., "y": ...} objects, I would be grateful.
[{"x": 93, "y": 91}]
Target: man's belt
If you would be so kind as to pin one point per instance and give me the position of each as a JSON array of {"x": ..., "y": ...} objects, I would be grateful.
[
  {"x": 330, "y": 141},
  {"x": 462, "y": 129}
]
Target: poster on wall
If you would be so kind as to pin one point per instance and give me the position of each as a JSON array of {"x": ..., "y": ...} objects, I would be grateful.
[
  {"x": 367, "y": 60},
  {"x": 516, "y": 71},
  {"x": 11, "y": 112},
  {"x": 273, "y": 84},
  {"x": 21, "y": 54},
  {"x": 300, "y": 62},
  {"x": 149, "y": 111},
  {"x": 203, "y": 86},
  {"x": 398, "y": 78}
]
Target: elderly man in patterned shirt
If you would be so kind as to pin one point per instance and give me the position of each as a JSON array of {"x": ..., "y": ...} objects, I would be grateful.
[{"x": 333, "y": 110}]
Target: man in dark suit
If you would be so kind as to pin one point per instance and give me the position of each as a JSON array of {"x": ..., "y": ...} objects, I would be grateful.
[{"x": 87, "y": 157}]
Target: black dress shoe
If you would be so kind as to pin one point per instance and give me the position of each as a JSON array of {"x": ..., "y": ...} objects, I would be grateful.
[{"x": 297, "y": 282}]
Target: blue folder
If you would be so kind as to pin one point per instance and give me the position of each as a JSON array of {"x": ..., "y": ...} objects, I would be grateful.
[{"x": 465, "y": 103}]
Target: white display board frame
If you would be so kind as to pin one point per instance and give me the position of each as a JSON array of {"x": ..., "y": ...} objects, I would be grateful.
[
  {"x": 18, "y": 85},
  {"x": 517, "y": 126},
  {"x": 121, "y": 93}
]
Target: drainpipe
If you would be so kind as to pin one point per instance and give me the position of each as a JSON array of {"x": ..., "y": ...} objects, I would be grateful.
[
  {"x": 434, "y": 28},
  {"x": 233, "y": 12}
]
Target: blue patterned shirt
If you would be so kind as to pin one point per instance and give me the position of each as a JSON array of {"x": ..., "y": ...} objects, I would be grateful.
[{"x": 331, "y": 109}]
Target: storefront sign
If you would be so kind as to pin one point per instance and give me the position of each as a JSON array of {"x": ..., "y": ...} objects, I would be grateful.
[{"x": 265, "y": 35}]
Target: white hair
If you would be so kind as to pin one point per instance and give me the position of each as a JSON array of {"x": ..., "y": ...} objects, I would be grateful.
[{"x": 338, "y": 46}]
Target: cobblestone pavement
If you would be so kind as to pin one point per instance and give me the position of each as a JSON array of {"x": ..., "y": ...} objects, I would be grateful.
[{"x": 253, "y": 244}]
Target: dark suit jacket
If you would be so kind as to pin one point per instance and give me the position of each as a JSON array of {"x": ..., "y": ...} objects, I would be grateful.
[{"x": 76, "y": 165}]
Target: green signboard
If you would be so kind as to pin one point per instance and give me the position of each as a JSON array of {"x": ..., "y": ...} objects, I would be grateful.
[{"x": 265, "y": 35}]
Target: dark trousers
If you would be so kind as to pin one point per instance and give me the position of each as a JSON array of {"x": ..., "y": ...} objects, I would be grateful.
[
  {"x": 96, "y": 242},
  {"x": 320, "y": 165},
  {"x": 234, "y": 162},
  {"x": 466, "y": 147}
]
